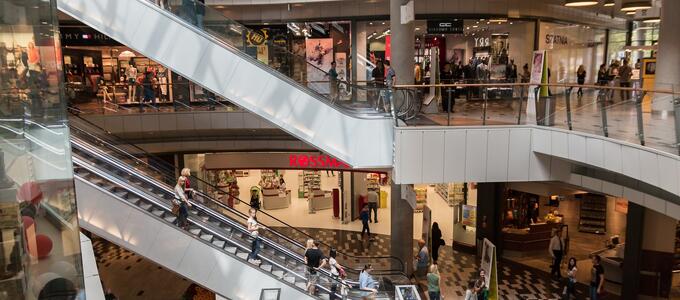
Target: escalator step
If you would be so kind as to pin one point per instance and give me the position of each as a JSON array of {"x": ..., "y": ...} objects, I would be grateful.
[
  {"x": 145, "y": 205},
  {"x": 242, "y": 255},
  {"x": 133, "y": 199},
  {"x": 301, "y": 285},
  {"x": 170, "y": 218},
  {"x": 278, "y": 273},
  {"x": 266, "y": 267},
  {"x": 219, "y": 243},
  {"x": 195, "y": 231},
  {"x": 230, "y": 249},
  {"x": 157, "y": 212},
  {"x": 290, "y": 279},
  {"x": 121, "y": 194},
  {"x": 207, "y": 237},
  {"x": 324, "y": 296}
]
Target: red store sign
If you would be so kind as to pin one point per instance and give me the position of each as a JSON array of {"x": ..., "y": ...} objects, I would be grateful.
[{"x": 315, "y": 161}]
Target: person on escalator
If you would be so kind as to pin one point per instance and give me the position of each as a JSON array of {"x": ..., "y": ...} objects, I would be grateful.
[
  {"x": 183, "y": 203},
  {"x": 186, "y": 172},
  {"x": 366, "y": 281},
  {"x": 337, "y": 272},
  {"x": 314, "y": 259},
  {"x": 253, "y": 228}
]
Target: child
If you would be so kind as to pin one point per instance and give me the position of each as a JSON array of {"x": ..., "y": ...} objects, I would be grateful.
[{"x": 470, "y": 292}]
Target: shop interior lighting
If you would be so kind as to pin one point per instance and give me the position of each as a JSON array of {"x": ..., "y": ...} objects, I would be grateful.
[
  {"x": 635, "y": 5},
  {"x": 577, "y": 3},
  {"x": 609, "y": 3},
  {"x": 651, "y": 20},
  {"x": 632, "y": 12}
]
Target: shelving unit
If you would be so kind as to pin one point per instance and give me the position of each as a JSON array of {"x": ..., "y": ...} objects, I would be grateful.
[
  {"x": 452, "y": 193},
  {"x": 593, "y": 214},
  {"x": 269, "y": 179},
  {"x": 421, "y": 198},
  {"x": 373, "y": 181},
  {"x": 309, "y": 179}
]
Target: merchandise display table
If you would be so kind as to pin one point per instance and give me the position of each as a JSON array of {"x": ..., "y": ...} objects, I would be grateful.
[
  {"x": 321, "y": 200},
  {"x": 536, "y": 237},
  {"x": 275, "y": 199}
]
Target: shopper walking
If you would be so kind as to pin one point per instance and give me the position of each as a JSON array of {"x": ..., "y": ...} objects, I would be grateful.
[
  {"x": 602, "y": 76},
  {"x": 433, "y": 287},
  {"x": 188, "y": 11},
  {"x": 255, "y": 197},
  {"x": 556, "y": 250},
  {"x": 596, "y": 278},
  {"x": 625, "y": 74},
  {"x": 580, "y": 79},
  {"x": 314, "y": 261},
  {"x": 365, "y": 216},
  {"x": 148, "y": 84},
  {"x": 436, "y": 241},
  {"x": 526, "y": 75},
  {"x": 570, "y": 289},
  {"x": 253, "y": 228},
  {"x": 422, "y": 259},
  {"x": 511, "y": 71},
  {"x": 183, "y": 203},
  {"x": 366, "y": 281},
  {"x": 333, "y": 82},
  {"x": 372, "y": 198}
]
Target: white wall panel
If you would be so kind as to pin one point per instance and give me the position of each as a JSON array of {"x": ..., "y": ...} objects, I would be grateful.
[
  {"x": 497, "y": 155},
  {"x": 433, "y": 155},
  {"x": 540, "y": 141},
  {"x": 612, "y": 158},
  {"x": 577, "y": 147},
  {"x": 655, "y": 203},
  {"x": 630, "y": 158},
  {"x": 649, "y": 167},
  {"x": 411, "y": 156},
  {"x": 454, "y": 160},
  {"x": 475, "y": 155},
  {"x": 140, "y": 233},
  {"x": 539, "y": 167},
  {"x": 595, "y": 152},
  {"x": 198, "y": 262},
  {"x": 170, "y": 246},
  {"x": 668, "y": 174},
  {"x": 559, "y": 144},
  {"x": 519, "y": 154},
  {"x": 612, "y": 189}
]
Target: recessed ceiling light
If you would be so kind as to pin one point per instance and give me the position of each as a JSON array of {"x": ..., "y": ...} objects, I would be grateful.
[
  {"x": 609, "y": 3},
  {"x": 635, "y": 5},
  {"x": 575, "y": 3},
  {"x": 651, "y": 20}
]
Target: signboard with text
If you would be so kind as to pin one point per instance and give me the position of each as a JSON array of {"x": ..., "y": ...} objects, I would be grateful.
[{"x": 454, "y": 26}]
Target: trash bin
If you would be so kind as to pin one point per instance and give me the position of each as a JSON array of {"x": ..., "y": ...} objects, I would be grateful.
[{"x": 545, "y": 111}]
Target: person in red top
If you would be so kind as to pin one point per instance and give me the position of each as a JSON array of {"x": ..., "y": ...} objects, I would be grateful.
[{"x": 186, "y": 172}]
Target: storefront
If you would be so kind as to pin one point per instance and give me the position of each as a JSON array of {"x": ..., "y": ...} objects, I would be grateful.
[
  {"x": 288, "y": 184},
  {"x": 570, "y": 46},
  {"x": 100, "y": 70}
]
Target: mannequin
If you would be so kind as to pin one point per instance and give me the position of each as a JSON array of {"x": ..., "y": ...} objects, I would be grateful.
[{"x": 131, "y": 74}]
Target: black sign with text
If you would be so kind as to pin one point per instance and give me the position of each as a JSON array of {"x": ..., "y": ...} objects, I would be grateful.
[
  {"x": 84, "y": 36},
  {"x": 445, "y": 27}
]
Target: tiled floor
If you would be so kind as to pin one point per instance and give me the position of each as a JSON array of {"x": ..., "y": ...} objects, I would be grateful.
[{"x": 457, "y": 268}]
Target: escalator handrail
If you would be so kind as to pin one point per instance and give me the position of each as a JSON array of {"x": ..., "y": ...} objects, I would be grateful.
[
  {"x": 169, "y": 190},
  {"x": 167, "y": 209},
  {"x": 255, "y": 62},
  {"x": 172, "y": 168}
]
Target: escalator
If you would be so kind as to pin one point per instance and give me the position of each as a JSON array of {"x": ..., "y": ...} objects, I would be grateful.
[
  {"x": 128, "y": 201},
  {"x": 212, "y": 54}
]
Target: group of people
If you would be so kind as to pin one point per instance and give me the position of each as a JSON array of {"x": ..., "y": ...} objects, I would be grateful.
[
  {"x": 617, "y": 71},
  {"x": 557, "y": 250},
  {"x": 315, "y": 260}
]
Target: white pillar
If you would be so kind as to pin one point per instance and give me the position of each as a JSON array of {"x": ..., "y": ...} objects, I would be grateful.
[
  {"x": 668, "y": 56},
  {"x": 402, "y": 44}
]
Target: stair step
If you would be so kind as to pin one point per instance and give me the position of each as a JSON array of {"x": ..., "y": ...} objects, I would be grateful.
[
  {"x": 170, "y": 218},
  {"x": 157, "y": 212},
  {"x": 133, "y": 199},
  {"x": 145, "y": 205},
  {"x": 195, "y": 231},
  {"x": 290, "y": 279},
  {"x": 278, "y": 273},
  {"x": 301, "y": 285},
  {"x": 266, "y": 267},
  {"x": 207, "y": 237},
  {"x": 230, "y": 249},
  {"x": 219, "y": 243},
  {"x": 242, "y": 255}
]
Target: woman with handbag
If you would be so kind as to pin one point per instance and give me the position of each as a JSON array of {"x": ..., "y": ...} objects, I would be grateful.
[
  {"x": 188, "y": 191},
  {"x": 436, "y": 241},
  {"x": 182, "y": 202}
]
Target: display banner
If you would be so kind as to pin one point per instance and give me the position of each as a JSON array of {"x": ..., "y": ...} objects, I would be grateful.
[
  {"x": 319, "y": 54},
  {"x": 489, "y": 265},
  {"x": 469, "y": 215},
  {"x": 537, "y": 64}
]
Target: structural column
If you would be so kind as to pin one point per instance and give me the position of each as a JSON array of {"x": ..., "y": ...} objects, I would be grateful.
[
  {"x": 402, "y": 44},
  {"x": 489, "y": 196},
  {"x": 401, "y": 229},
  {"x": 668, "y": 57},
  {"x": 635, "y": 220}
]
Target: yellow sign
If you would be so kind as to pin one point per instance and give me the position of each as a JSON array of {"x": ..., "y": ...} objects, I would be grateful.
[{"x": 256, "y": 37}]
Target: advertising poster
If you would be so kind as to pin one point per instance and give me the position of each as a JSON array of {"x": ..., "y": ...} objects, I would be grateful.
[
  {"x": 537, "y": 66},
  {"x": 488, "y": 264},
  {"x": 319, "y": 54},
  {"x": 469, "y": 215}
]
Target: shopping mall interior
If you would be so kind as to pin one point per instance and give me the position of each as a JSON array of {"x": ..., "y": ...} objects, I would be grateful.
[{"x": 339, "y": 149}]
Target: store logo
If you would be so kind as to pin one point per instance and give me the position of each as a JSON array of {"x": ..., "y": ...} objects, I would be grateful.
[
  {"x": 482, "y": 42},
  {"x": 315, "y": 161},
  {"x": 257, "y": 37},
  {"x": 556, "y": 39}
]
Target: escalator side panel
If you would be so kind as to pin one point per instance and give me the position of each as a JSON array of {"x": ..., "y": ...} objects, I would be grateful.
[
  {"x": 170, "y": 247},
  {"x": 362, "y": 143}
]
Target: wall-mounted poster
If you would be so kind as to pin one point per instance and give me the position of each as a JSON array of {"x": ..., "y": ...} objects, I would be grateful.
[
  {"x": 469, "y": 215},
  {"x": 319, "y": 54}
]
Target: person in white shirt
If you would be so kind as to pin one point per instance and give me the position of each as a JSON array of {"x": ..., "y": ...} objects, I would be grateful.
[
  {"x": 556, "y": 250},
  {"x": 183, "y": 202},
  {"x": 253, "y": 228}
]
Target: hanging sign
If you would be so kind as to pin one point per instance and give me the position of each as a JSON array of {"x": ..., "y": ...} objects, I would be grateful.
[{"x": 454, "y": 26}]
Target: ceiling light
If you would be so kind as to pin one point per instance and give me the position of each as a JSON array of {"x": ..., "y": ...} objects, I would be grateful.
[
  {"x": 632, "y": 12},
  {"x": 651, "y": 20},
  {"x": 574, "y": 3},
  {"x": 635, "y": 5},
  {"x": 608, "y": 3}
]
